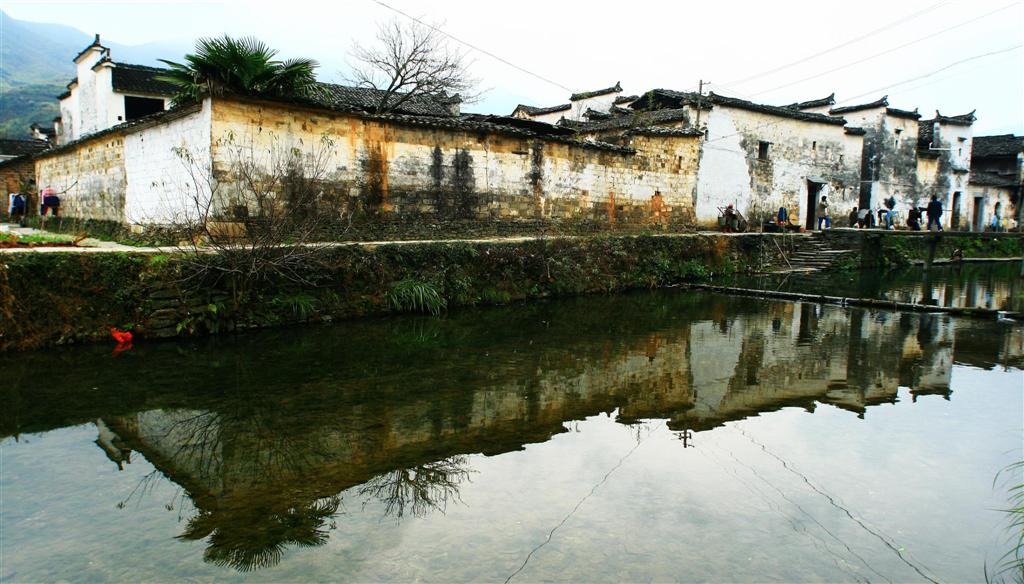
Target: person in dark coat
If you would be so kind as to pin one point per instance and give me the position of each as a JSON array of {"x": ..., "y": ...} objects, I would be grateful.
[
  {"x": 934, "y": 212},
  {"x": 914, "y": 218}
]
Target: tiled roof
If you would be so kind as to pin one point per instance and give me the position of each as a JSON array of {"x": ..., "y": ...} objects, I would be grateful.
[
  {"x": 925, "y": 135},
  {"x": 990, "y": 179},
  {"x": 854, "y": 131},
  {"x": 588, "y": 94},
  {"x": 1002, "y": 145},
  {"x": 95, "y": 43},
  {"x": 44, "y": 130},
  {"x": 450, "y": 122},
  {"x": 635, "y": 120},
  {"x": 366, "y": 99},
  {"x": 593, "y": 115},
  {"x": 822, "y": 102},
  {"x": 145, "y": 121},
  {"x": 961, "y": 120},
  {"x": 526, "y": 124},
  {"x": 20, "y": 147},
  {"x": 883, "y": 102},
  {"x": 899, "y": 113},
  {"x": 538, "y": 111},
  {"x": 129, "y": 78},
  {"x": 660, "y": 131},
  {"x": 625, "y": 99},
  {"x": 656, "y": 96},
  {"x": 774, "y": 110}
]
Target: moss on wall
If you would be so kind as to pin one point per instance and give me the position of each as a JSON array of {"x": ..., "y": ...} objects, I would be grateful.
[{"x": 56, "y": 298}]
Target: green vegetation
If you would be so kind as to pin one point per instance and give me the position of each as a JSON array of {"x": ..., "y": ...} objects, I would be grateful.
[
  {"x": 60, "y": 298},
  {"x": 23, "y": 105},
  {"x": 245, "y": 65},
  {"x": 1011, "y": 565},
  {"x": 414, "y": 296}
]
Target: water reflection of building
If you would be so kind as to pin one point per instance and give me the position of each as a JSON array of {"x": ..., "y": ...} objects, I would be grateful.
[
  {"x": 264, "y": 468},
  {"x": 965, "y": 288}
]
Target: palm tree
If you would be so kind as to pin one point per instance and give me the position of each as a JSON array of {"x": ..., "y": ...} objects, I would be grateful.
[{"x": 246, "y": 65}]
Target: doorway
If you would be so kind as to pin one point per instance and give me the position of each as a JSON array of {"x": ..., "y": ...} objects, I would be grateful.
[
  {"x": 954, "y": 222},
  {"x": 813, "y": 189},
  {"x": 979, "y": 214}
]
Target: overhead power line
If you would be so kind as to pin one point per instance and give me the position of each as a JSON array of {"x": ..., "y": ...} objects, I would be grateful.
[
  {"x": 887, "y": 87},
  {"x": 937, "y": 71},
  {"x": 887, "y": 51},
  {"x": 474, "y": 47},
  {"x": 852, "y": 41}
]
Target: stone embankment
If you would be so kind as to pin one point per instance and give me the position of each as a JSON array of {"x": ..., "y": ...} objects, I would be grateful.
[{"x": 52, "y": 298}]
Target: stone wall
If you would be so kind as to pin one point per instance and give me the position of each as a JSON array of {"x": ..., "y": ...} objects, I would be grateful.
[
  {"x": 129, "y": 174},
  {"x": 57, "y": 298},
  {"x": 15, "y": 173},
  {"x": 91, "y": 176},
  {"x": 388, "y": 170}
]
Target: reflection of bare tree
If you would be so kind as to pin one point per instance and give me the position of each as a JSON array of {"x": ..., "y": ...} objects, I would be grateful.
[
  {"x": 420, "y": 489},
  {"x": 257, "y": 534}
]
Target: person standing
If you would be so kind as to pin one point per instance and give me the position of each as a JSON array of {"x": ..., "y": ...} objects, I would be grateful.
[
  {"x": 16, "y": 208},
  {"x": 997, "y": 217},
  {"x": 914, "y": 218},
  {"x": 51, "y": 202},
  {"x": 934, "y": 212},
  {"x": 822, "y": 213},
  {"x": 853, "y": 217}
]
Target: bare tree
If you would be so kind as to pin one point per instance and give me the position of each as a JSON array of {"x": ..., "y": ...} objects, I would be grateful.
[
  {"x": 410, "y": 62},
  {"x": 258, "y": 213}
]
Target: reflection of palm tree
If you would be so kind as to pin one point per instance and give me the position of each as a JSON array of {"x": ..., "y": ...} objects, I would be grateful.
[
  {"x": 254, "y": 537},
  {"x": 420, "y": 489}
]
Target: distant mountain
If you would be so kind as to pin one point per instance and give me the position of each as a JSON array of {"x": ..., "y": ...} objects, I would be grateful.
[{"x": 36, "y": 63}]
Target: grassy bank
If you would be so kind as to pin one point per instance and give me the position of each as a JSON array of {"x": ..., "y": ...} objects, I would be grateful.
[{"x": 58, "y": 298}]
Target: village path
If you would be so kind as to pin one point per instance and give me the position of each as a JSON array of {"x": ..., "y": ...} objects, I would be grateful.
[{"x": 91, "y": 245}]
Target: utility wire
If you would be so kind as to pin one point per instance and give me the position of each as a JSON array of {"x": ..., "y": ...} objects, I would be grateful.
[
  {"x": 842, "y": 45},
  {"x": 887, "y": 51},
  {"x": 474, "y": 47},
  {"x": 937, "y": 71}
]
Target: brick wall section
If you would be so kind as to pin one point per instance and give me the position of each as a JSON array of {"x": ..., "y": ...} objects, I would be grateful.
[
  {"x": 93, "y": 176},
  {"x": 14, "y": 173},
  {"x": 389, "y": 171}
]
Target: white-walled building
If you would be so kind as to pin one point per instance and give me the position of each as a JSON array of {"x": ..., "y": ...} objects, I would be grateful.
[
  {"x": 106, "y": 93},
  {"x": 583, "y": 106}
]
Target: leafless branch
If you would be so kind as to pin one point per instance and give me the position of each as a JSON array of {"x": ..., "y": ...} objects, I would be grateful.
[{"x": 410, "y": 62}]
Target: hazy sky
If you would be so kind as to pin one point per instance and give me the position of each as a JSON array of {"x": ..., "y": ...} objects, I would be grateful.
[{"x": 642, "y": 44}]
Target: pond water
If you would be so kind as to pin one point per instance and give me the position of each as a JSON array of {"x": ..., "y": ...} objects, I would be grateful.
[
  {"x": 661, "y": 436},
  {"x": 992, "y": 285}
]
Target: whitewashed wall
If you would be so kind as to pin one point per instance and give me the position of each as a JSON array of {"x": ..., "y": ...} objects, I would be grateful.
[
  {"x": 160, "y": 188},
  {"x": 731, "y": 173}
]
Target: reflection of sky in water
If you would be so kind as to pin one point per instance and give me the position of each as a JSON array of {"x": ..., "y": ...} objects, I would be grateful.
[
  {"x": 768, "y": 490},
  {"x": 996, "y": 286}
]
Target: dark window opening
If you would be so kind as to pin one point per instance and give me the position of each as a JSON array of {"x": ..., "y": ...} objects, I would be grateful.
[
  {"x": 137, "y": 107},
  {"x": 814, "y": 145},
  {"x": 762, "y": 150}
]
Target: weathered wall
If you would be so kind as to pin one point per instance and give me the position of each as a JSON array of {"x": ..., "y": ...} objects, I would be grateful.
[
  {"x": 732, "y": 173},
  {"x": 91, "y": 177},
  {"x": 951, "y": 147},
  {"x": 890, "y": 159},
  {"x": 160, "y": 185},
  {"x": 987, "y": 197},
  {"x": 397, "y": 171},
  {"x": 13, "y": 174}
]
